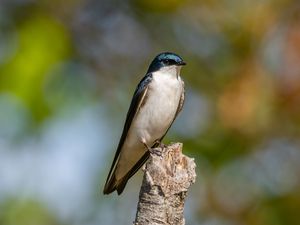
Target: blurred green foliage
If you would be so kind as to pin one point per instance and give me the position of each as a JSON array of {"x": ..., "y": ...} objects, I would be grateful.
[
  {"x": 42, "y": 42},
  {"x": 25, "y": 212}
]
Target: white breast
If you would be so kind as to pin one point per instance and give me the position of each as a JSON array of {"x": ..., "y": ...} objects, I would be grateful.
[{"x": 163, "y": 96}]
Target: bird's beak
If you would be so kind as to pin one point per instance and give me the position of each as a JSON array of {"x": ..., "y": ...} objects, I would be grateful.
[{"x": 181, "y": 63}]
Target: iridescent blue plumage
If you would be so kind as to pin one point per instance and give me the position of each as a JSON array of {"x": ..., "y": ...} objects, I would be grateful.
[{"x": 165, "y": 59}]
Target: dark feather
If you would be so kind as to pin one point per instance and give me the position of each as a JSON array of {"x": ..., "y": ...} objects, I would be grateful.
[
  {"x": 121, "y": 185},
  {"x": 136, "y": 102}
]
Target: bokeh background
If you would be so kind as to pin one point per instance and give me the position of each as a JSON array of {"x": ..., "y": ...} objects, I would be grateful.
[{"x": 68, "y": 69}]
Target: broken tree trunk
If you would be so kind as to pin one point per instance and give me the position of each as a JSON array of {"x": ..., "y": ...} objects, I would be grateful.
[{"x": 167, "y": 176}]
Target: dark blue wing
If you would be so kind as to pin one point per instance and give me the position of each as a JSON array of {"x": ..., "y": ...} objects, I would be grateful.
[{"x": 137, "y": 100}]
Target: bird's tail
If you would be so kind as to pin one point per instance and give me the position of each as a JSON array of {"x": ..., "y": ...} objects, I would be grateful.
[
  {"x": 110, "y": 186},
  {"x": 113, "y": 184}
]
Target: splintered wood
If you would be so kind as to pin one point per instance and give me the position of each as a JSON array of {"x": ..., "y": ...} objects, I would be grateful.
[{"x": 167, "y": 176}]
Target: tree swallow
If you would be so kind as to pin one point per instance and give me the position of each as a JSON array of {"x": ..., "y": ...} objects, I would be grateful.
[{"x": 155, "y": 104}]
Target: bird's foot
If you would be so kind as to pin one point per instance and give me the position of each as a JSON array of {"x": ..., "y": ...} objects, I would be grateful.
[
  {"x": 160, "y": 144},
  {"x": 153, "y": 151},
  {"x": 146, "y": 146},
  {"x": 156, "y": 151}
]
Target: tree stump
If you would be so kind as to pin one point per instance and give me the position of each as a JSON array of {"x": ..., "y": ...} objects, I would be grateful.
[{"x": 167, "y": 176}]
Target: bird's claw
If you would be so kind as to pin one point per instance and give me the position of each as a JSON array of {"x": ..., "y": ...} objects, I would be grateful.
[
  {"x": 160, "y": 144},
  {"x": 155, "y": 151}
]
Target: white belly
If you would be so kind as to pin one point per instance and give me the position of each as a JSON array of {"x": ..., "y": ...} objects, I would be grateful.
[{"x": 156, "y": 116}]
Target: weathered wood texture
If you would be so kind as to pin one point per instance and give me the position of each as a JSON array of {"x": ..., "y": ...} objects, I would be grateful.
[{"x": 167, "y": 176}]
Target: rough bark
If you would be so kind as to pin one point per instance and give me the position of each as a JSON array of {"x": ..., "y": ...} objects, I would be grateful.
[{"x": 167, "y": 176}]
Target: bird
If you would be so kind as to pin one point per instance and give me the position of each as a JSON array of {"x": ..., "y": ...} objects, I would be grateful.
[{"x": 156, "y": 102}]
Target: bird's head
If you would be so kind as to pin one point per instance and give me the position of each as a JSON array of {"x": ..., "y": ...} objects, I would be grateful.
[{"x": 165, "y": 59}]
